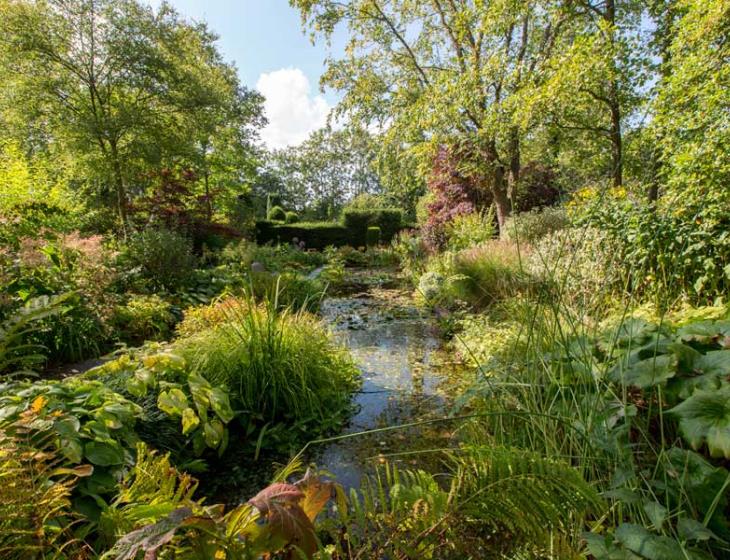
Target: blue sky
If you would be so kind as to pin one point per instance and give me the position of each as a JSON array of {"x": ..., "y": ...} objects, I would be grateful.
[{"x": 264, "y": 38}]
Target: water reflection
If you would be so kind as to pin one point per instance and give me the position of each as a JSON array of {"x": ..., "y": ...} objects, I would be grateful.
[{"x": 397, "y": 349}]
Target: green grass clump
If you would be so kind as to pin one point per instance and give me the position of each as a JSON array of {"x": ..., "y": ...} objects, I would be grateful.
[{"x": 280, "y": 364}]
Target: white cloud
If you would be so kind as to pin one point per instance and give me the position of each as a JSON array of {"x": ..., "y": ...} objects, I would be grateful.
[{"x": 292, "y": 111}]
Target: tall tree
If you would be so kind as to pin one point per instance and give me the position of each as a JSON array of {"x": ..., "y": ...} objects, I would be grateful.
[
  {"x": 117, "y": 83},
  {"x": 444, "y": 72}
]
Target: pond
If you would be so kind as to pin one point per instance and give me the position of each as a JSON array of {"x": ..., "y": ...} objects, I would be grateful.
[{"x": 397, "y": 347}]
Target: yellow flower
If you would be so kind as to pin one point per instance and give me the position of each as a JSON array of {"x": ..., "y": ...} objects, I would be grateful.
[{"x": 38, "y": 403}]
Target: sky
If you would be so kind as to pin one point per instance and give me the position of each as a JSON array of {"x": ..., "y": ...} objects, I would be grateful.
[{"x": 265, "y": 40}]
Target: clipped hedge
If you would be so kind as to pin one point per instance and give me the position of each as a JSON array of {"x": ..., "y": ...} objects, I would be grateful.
[
  {"x": 389, "y": 220},
  {"x": 316, "y": 235}
]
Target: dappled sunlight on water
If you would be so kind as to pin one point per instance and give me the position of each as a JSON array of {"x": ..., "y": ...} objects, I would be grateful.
[{"x": 397, "y": 348}]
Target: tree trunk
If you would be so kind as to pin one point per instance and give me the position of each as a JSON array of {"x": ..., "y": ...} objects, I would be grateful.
[
  {"x": 616, "y": 136},
  {"x": 498, "y": 185},
  {"x": 119, "y": 185},
  {"x": 616, "y": 140}
]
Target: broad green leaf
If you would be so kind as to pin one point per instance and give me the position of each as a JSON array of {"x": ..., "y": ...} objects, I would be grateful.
[
  {"x": 104, "y": 453},
  {"x": 646, "y": 373},
  {"x": 657, "y": 513},
  {"x": 213, "y": 433},
  {"x": 173, "y": 402},
  {"x": 220, "y": 404},
  {"x": 190, "y": 421},
  {"x": 693, "y": 530},
  {"x": 705, "y": 417},
  {"x": 200, "y": 389},
  {"x": 716, "y": 362},
  {"x": 646, "y": 545},
  {"x": 72, "y": 449}
]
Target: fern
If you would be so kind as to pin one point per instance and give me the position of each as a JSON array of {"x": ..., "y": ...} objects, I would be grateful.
[
  {"x": 16, "y": 355},
  {"x": 35, "y": 507},
  {"x": 519, "y": 491}
]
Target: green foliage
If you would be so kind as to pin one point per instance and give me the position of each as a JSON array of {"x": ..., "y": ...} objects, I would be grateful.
[
  {"x": 36, "y": 513},
  {"x": 357, "y": 222},
  {"x": 276, "y": 214},
  {"x": 163, "y": 258},
  {"x": 583, "y": 265},
  {"x": 403, "y": 513},
  {"x": 291, "y": 217},
  {"x": 531, "y": 227},
  {"x": 200, "y": 410},
  {"x": 479, "y": 276},
  {"x": 373, "y": 236},
  {"x": 18, "y": 356},
  {"x": 671, "y": 252},
  {"x": 280, "y": 367},
  {"x": 143, "y": 318},
  {"x": 691, "y": 115},
  {"x": 315, "y": 235},
  {"x": 86, "y": 422},
  {"x": 158, "y": 514},
  {"x": 468, "y": 230},
  {"x": 286, "y": 290}
]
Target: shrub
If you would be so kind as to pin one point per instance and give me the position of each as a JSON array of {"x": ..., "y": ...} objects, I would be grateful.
[
  {"x": 291, "y": 217},
  {"x": 451, "y": 194},
  {"x": 277, "y": 214},
  {"x": 468, "y": 230},
  {"x": 530, "y": 227},
  {"x": 479, "y": 276},
  {"x": 164, "y": 258},
  {"x": 280, "y": 366},
  {"x": 373, "y": 236},
  {"x": 389, "y": 220},
  {"x": 488, "y": 273},
  {"x": 583, "y": 264},
  {"x": 316, "y": 235},
  {"x": 286, "y": 290},
  {"x": 537, "y": 188},
  {"x": 143, "y": 318}
]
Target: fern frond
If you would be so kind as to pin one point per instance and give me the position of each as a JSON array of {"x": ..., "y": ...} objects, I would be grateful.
[
  {"x": 36, "y": 515},
  {"x": 523, "y": 493}
]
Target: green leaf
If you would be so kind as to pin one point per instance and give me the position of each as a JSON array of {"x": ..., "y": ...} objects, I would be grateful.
[
  {"x": 705, "y": 416},
  {"x": 213, "y": 433},
  {"x": 220, "y": 404},
  {"x": 646, "y": 373},
  {"x": 200, "y": 389},
  {"x": 104, "y": 453},
  {"x": 692, "y": 530},
  {"x": 716, "y": 362},
  {"x": 173, "y": 402},
  {"x": 657, "y": 513},
  {"x": 649, "y": 546},
  {"x": 136, "y": 386},
  {"x": 190, "y": 421},
  {"x": 72, "y": 449}
]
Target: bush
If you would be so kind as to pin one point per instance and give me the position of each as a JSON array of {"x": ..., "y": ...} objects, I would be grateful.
[
  {"x": 537, "y": 188},
  {"x": 529, "y": 227},
  {"x": 164, "y": 258},
  {"x": 280, "y": 366},
  {"x": 291, "y": 218},
  {"x": 389, "y": 220},
  {"x": 316, "y": 235},
  {"x": 678, "y": 250},
  {"x": 373, "y": 236},
  {"x": 479, "y": 276},
  {"x": 583, "y": 265},
  {"x": 468, "y": 230},
  {"x": 277, "y": 214},
  {"x": 143, "y": 318},
  {"x": 286, "y": 290}
]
